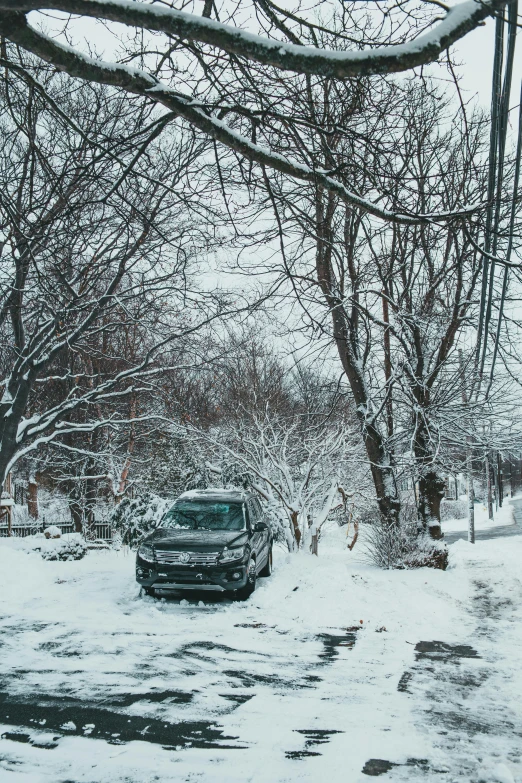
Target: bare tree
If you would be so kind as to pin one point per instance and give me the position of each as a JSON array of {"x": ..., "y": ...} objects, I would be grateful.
[
  {"x": 397, "y": 296},
  {"x": 341, "y": 42},
  {"x": 307, "y": 467},
  {"x": 95, "y": 247}
]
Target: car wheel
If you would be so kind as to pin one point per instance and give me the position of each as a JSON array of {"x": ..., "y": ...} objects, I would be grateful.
[
  {"x": 267, "y": 568},
  {"x": 246, "y": 591},
  {"x": 149, "y": 591}
]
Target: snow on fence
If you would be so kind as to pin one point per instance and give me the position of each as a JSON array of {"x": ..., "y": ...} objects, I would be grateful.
[{"x": 102, "y": 530}]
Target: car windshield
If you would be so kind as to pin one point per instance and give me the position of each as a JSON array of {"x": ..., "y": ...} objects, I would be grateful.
[{"x": 205, "y": 515}]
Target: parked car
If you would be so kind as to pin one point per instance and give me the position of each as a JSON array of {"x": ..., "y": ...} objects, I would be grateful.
[{"x": 214, "y": 540}]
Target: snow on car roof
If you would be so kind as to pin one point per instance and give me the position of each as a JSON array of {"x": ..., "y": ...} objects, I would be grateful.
[{"x": 236, "y": 494}]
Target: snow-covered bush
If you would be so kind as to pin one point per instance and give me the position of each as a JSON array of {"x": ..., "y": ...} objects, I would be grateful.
[
  {"x": 68, "y": 547},
  {"x": 71, "y": 548},
  {"x": 117, "y": 541},
  {"x": 277, "y": 520},
  {"x": 453, "y": 509},
  {"x": 134, "y": 518},
  {"x": 389, "y": 546},
  {"x": 53, "y": 531}
]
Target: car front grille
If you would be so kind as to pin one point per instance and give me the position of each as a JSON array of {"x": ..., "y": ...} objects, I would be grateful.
[{"x": 166, "y": 557}]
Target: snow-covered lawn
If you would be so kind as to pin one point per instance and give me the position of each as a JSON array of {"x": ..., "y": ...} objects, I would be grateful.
[{"x": 99, "y": 685}]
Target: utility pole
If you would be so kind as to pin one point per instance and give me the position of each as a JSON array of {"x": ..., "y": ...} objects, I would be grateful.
[
  {"x": 500, "y": 480},
  {"x": 469, "y": 461}
]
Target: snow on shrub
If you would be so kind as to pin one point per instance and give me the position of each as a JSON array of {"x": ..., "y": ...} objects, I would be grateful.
[
  {"x": 278, "y": 521},
  {"x": 53, "y": 531},
  {"x": 65, "y": 549},
  {"x": 117, "y": 541},
  {"x": 453, "y": 509},
  {"x": 134, "y": 518},
  {"x": 391, "y": 546},
  {"x": 69, "y": 547}
]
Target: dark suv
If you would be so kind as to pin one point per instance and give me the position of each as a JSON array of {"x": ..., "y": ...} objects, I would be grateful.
[{"x": 213, "y": 539}]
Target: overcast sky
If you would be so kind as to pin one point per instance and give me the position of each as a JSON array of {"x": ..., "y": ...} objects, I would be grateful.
[{"x": 476, "y": 52}]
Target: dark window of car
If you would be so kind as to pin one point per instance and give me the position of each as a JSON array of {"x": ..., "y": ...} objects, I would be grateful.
[
  {"x": 259, "y": 508},
  {"x": 205, "y": 515}
]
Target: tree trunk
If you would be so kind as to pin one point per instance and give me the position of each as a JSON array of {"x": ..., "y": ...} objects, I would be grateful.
[
  {"x": 77, "y": 515},
  {"x": 381, "y": 466},
  {"x": 430, "y": 484},
  {"x": 130, "y": 451},
  {"x": 489, "y": 488},
  {"x": 346, "y": 338},
  {"x": 294, "y": 517},
  {"x": 469, "y": 458},
  {"x": 314, "y": 547},
  {"x": 90, "y": 500},
  {"x": 32, "y": 498},
  {"x": 500, "y": 480},
  {"x": 431, "y": 492},
  {"x": 387, "y": 365}
]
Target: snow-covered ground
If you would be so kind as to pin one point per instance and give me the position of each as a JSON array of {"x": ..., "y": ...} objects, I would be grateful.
[{"x": 99, "y": 685}]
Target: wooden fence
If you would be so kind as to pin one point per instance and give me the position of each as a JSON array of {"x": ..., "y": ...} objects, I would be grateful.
[{"x": 102, "y": 530}]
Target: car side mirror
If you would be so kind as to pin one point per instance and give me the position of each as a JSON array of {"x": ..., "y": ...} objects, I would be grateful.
[{"x": 260, "y": 527}]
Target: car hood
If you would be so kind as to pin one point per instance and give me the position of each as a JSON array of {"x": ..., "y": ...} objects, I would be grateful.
[{"x": 165, "y": 538}]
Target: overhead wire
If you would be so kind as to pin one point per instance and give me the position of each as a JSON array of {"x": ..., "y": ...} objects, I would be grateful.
[
  {"x": 492, "y": 168},
  {"x": 503, "y": 121},
  {"x": 514, "y": 200},
  {"x": 500, "y": 98}
]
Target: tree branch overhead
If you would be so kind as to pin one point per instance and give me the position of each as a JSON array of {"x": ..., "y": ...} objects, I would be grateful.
[{"x": 457, "y": 22}]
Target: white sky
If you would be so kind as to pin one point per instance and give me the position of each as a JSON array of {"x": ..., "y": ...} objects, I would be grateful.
[{"x": 476, "y": 53}]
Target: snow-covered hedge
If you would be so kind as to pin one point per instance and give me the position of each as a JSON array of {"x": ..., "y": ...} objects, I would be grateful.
[
  {"x": 65, "y": 549},
  {"x": 68, "y": 547},
  {"x": 134, "y": 518},
  {"x": 453, "y": 509}
]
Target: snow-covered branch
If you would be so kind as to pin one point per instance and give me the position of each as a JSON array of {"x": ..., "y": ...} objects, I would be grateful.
[
  {"x": 16, "y": 28},
  {"x": 457, "y": 22}
]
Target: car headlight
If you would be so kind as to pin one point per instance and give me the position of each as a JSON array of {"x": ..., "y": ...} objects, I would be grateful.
[
  {"x": 228, "y": 555},
  {"x": 146, "y": 552}
]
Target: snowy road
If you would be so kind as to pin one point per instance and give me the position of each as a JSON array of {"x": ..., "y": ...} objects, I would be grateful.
[
  {"x": 513, "y": 528},
  {"x": 98, "y": 685}
]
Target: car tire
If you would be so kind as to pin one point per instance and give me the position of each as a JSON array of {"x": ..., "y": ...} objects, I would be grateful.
[
  {"x": 245, "y": 592},
  {"x": 267, "y": 568},
  {"x": 149, "y": 591}
]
